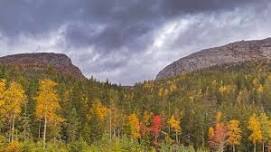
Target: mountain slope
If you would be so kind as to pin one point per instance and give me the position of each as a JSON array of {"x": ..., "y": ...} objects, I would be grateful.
[
  {"x": 233, "y": 53},
  {"x": 42, "y": 61}
]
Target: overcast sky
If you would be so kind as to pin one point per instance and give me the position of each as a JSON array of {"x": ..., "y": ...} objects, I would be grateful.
[{"x": 127, "y": 41}]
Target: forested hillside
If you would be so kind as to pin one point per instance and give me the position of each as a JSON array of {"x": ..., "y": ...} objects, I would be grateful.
[{"x": 223, "y": 108}]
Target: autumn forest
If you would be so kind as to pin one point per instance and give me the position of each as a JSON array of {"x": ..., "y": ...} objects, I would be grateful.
[{"x": 216, "y": 109}]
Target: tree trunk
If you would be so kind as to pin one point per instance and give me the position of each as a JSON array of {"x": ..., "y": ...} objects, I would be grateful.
[
  {"x": 39, "y": 129},
  {"x": 110, "y": 123},
  {"x": 44, "y": 132},
  {"x": 114, "y": 135},
  {"x": 169, "y": 115},
  {"x": 12, "y": 127},
  {"x": 221, "y": 148},
  {"x": 202, "y": 138},
  {"x": 233, "y": 148},
  {"x": 177, "y": 141},
  {"x": 55, "y": 125},
  {"x": 255, "y": 147},
  {"x": 263, "y": 146},
  {"x": 25, "y": 132}
]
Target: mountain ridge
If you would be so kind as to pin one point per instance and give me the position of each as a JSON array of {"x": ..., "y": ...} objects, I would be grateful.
[
  {"x": 232, "y": 53},
  {"x": 42, "y": 61}
]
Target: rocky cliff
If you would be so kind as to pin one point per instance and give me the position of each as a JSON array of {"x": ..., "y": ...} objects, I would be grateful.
[
  {"x": 233, "y": 53},
  {"x": 42, "y": 61}
]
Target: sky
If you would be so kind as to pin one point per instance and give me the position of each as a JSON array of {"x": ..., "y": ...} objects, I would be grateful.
[{"x": 128, "y": 41}]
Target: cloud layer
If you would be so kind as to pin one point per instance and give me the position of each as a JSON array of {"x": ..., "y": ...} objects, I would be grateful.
[{"x": 128, "y": 41}]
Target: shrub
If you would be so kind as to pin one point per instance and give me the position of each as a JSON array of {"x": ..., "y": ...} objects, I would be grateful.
[
  {"x": 13, "y": 147},
  {"x": 79, "y": 146}
]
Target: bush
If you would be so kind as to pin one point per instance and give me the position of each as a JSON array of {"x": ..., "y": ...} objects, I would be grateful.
[
  {"x": 13, "y": 147},
  {"x": 117, "y": 145},
  {"x": 38, "y": 147},
  {"x": 79, "y": 146},
  {"x": 179, "y": 148}
]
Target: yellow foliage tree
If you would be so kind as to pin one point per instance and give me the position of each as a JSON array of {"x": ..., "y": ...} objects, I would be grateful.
[
  {"x": 13, "y": 99},
  {"x": 147, "y": 118},
  {"x": 225, "y": 89},
  {"x": 99, "y": 110},
  {"x": 218, "y": 116},
  {"x": 234, "y": 133},
  {"x": 174, "y": 124},
  {"x": 265, "y": 128},
  {"x": 47, "y": 105},
  {"x": 254, "y": 126},
  {"x": 211, "y": 132},
  {"x": 2, "y": 90},
  {"x": 134, "y": 126}
]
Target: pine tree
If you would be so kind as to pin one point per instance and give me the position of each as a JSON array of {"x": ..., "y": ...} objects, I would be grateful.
[{"x": 73, "y": 124}]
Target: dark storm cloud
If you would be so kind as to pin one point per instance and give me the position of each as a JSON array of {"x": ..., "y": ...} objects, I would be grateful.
[
  {"x": 124, "y": 20},
  {"x": 174, "y": 7},
  {"x": 109, "y": 38}
]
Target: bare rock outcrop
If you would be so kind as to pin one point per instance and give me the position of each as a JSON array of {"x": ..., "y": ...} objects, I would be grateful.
[
  {"x": 42, "y": 61},
  {"x": 233, "y": 53}
]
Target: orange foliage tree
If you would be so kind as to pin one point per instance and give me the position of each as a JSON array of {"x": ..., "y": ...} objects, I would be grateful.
[
  {"x": 218, "y": 134},
  {"x": 156, "y": 127}
]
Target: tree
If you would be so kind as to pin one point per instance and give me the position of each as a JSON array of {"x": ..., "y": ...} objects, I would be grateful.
[
  {"x": 174, "y": 124},
  {"x": 99, "y": 110},
  {"x": 134, "y": 126},
  {"x": 265, "y": 128},
  {"x": 234, "y": 133},
  {"x": 2, "y": 90},
  {"x": 217, "y": 135},
  {"x": 99, "y": 116},
  {"x": 156, "y": 127},
  {"x": 145, "y": 124},
  {"x": 14, "y": 146},
  {"x": 73, "y": 124},
  {"x": 112, "y": 99},
  {"x": 255, "y": 127},
  {"x": 47, "y": 105},
  {"x": 14, "y": 97}
]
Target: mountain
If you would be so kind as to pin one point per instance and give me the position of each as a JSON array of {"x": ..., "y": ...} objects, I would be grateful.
[
  {"x": 43, "y": 61},
  {"x": 233, "y": 53}
]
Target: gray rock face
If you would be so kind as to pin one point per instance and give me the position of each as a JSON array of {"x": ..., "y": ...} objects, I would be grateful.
[
  {"x": 232, "y": 53},
  {"x": 40, "y": 61}
]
